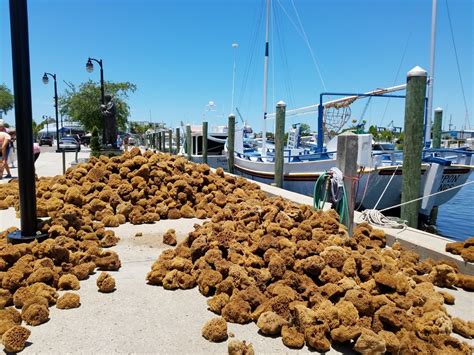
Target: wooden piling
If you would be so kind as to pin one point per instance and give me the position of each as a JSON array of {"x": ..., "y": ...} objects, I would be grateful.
[
  {"x": 279, "y": 142},
  {"x": 178, "y": 140},
  {"x": 347, "y": 150},
  {"x": 158, "y": 136},
  {"x": 189, "y": 147},
  {"x": 438, "y": 122},
  {"x": 231, "y": 142},
  {"x": 163, "y": 141},
  {"x": 413, "y": 144},
  {"x": 204, "y": 142},
  {"x": 170, "y": 140}
]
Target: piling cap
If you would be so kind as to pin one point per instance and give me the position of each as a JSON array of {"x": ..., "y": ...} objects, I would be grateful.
[
  {"x": 231, "y": 115},
  {"x": 417, "y": 71},
  {"x": 438, "y": 109},
  {"x": 281, "y": 104}
]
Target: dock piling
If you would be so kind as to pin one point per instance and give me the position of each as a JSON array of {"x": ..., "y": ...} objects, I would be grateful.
[
  {"x": 231, "y": 142},
  {"x": 438, "y": 123},
  {"x": 158, "y": 136},
  {"x": 347, "y": 151},
  {"x": 178, "y": 140},
  {"x": 413, "y": 144},
  {"x": 279, "y": 142},
  {"x": 170, "y": 140},
  {"x": 189, "y": 148},
  {"x": 163, "y": 141},
  {"x": 204, "y": 142}
]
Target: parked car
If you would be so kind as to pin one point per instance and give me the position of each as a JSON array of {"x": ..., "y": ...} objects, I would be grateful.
[
  {"x": 69, "y": 144},
  {"x": 46, "y": 140},
  {"x": 132, "y": 141}
]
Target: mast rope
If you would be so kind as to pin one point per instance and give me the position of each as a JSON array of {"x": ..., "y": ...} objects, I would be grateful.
[
  {"x": 458, "y": 67},
  {"x": 396, "y": 76}
]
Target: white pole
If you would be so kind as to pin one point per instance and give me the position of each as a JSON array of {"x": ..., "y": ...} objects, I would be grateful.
[
  {"x": 429, "y": 109},
  {"x": 235, "y": 46},
  {"x": 265, "y": 82}
]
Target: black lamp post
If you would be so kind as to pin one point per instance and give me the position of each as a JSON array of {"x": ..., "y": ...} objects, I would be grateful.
[
  {"x": 23, "y": 120},
  {"x": 45, "y": 81},
  {"x": 90, "y": 69}
]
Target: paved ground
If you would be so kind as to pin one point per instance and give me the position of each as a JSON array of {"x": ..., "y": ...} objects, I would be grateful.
[{"x": 139, "y": 318}]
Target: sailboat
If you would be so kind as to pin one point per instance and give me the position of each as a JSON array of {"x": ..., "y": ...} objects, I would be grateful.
[{"x": 380, "y": 173}]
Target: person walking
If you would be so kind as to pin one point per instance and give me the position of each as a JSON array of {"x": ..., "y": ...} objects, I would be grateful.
[
  {"x": 5, "y": 139},
  {"x": 36, "y": 150}
]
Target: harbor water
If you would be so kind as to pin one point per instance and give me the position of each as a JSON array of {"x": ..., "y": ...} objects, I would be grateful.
[{"x": 456, "y": 217}]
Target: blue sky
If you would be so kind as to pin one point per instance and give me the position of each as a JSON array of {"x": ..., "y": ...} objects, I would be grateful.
[{"x": 179, "y": 53}]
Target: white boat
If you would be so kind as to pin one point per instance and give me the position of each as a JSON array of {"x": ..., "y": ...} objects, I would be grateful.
[
  {"x": 380, "y": 173},
  {"x": 216, "y": 151}
]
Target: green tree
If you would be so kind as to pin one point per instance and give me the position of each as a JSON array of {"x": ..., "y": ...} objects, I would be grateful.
[
  {"x": 373, "y": 131},
  {"x": 305, "y": 129},
  {"x": 6, "y": 99},
  {"x": 138, "y": 128},
  {"x": 83, "y": 104},
  {"x": 386, "y": 135},
  {"x": 37, "y": 127}
]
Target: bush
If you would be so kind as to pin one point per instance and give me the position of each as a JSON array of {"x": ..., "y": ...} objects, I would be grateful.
[{"x": 95, "y": 145}]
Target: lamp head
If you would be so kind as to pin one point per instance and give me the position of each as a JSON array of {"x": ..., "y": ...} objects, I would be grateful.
[
  {"x": 89, "y": 66},
  {"x": 45, "y": 79},
  {"x": 235, "y": 45}
]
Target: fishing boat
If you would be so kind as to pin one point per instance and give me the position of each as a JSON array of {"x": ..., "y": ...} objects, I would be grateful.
[
  {"x": 380, "y": 172},
  {"x": 216, "y": 151}
]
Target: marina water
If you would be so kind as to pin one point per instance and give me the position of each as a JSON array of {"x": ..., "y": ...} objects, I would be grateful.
[{"x": 456, "y": 217}]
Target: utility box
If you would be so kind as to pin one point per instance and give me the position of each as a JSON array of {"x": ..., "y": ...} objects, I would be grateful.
[{"x": 364, "y": 156}]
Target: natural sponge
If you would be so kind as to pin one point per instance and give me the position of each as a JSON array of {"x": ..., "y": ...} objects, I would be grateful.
[
  {"x": 105, "y": 283},
  {"x": 35, "y": 314},
  {"x": 15, "y": 338},
  {"x": 215, "y": 330},
  {"x": 237, "y": 347},
  {"x": 170, "y": 237},
  {"x": 270, "y": 323},
  {"x": 68, "y": 300},
  {"x": 68, "y": 282}
]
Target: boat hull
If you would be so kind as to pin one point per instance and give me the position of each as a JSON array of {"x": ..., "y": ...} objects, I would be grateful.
[{"x": 372, "y": 183}]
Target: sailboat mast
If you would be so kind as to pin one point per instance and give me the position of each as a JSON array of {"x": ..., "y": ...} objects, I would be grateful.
[
  {"x": 429, "y": 109},
  {"x": 265, "y": 81}
]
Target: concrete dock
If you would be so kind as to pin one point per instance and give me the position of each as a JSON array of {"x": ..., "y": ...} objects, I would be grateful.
[{"x": 139, "y": 318}]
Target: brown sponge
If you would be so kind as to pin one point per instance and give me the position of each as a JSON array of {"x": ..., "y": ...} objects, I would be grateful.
[
  {"x": 170, "y": 237},
  {"x": 215, "y": 330},
  {"x": 105, "y": 283},
  {"x": 68, "y": 300},
  {"x": 35, "y": 314},
  {"x": 270, "y": 323},
  {"x": 237, "y": 347},
  {"x": 291, "y": 337},
  {"x": 15, "y": 338},
  {"x": 370, "y": 343},
  {"x": 68, "y": 282}
]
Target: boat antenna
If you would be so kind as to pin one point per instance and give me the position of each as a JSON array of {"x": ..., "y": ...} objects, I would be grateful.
[
  {"x": 431, "y": 75},
  {"x": 265, "y": 81}
]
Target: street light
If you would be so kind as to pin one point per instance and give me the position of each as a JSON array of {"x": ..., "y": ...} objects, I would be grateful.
[
  {"x": 235, "y": 46},
  {"x": 46, "y": 81},
  {"x": 90, "y": 69}
]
